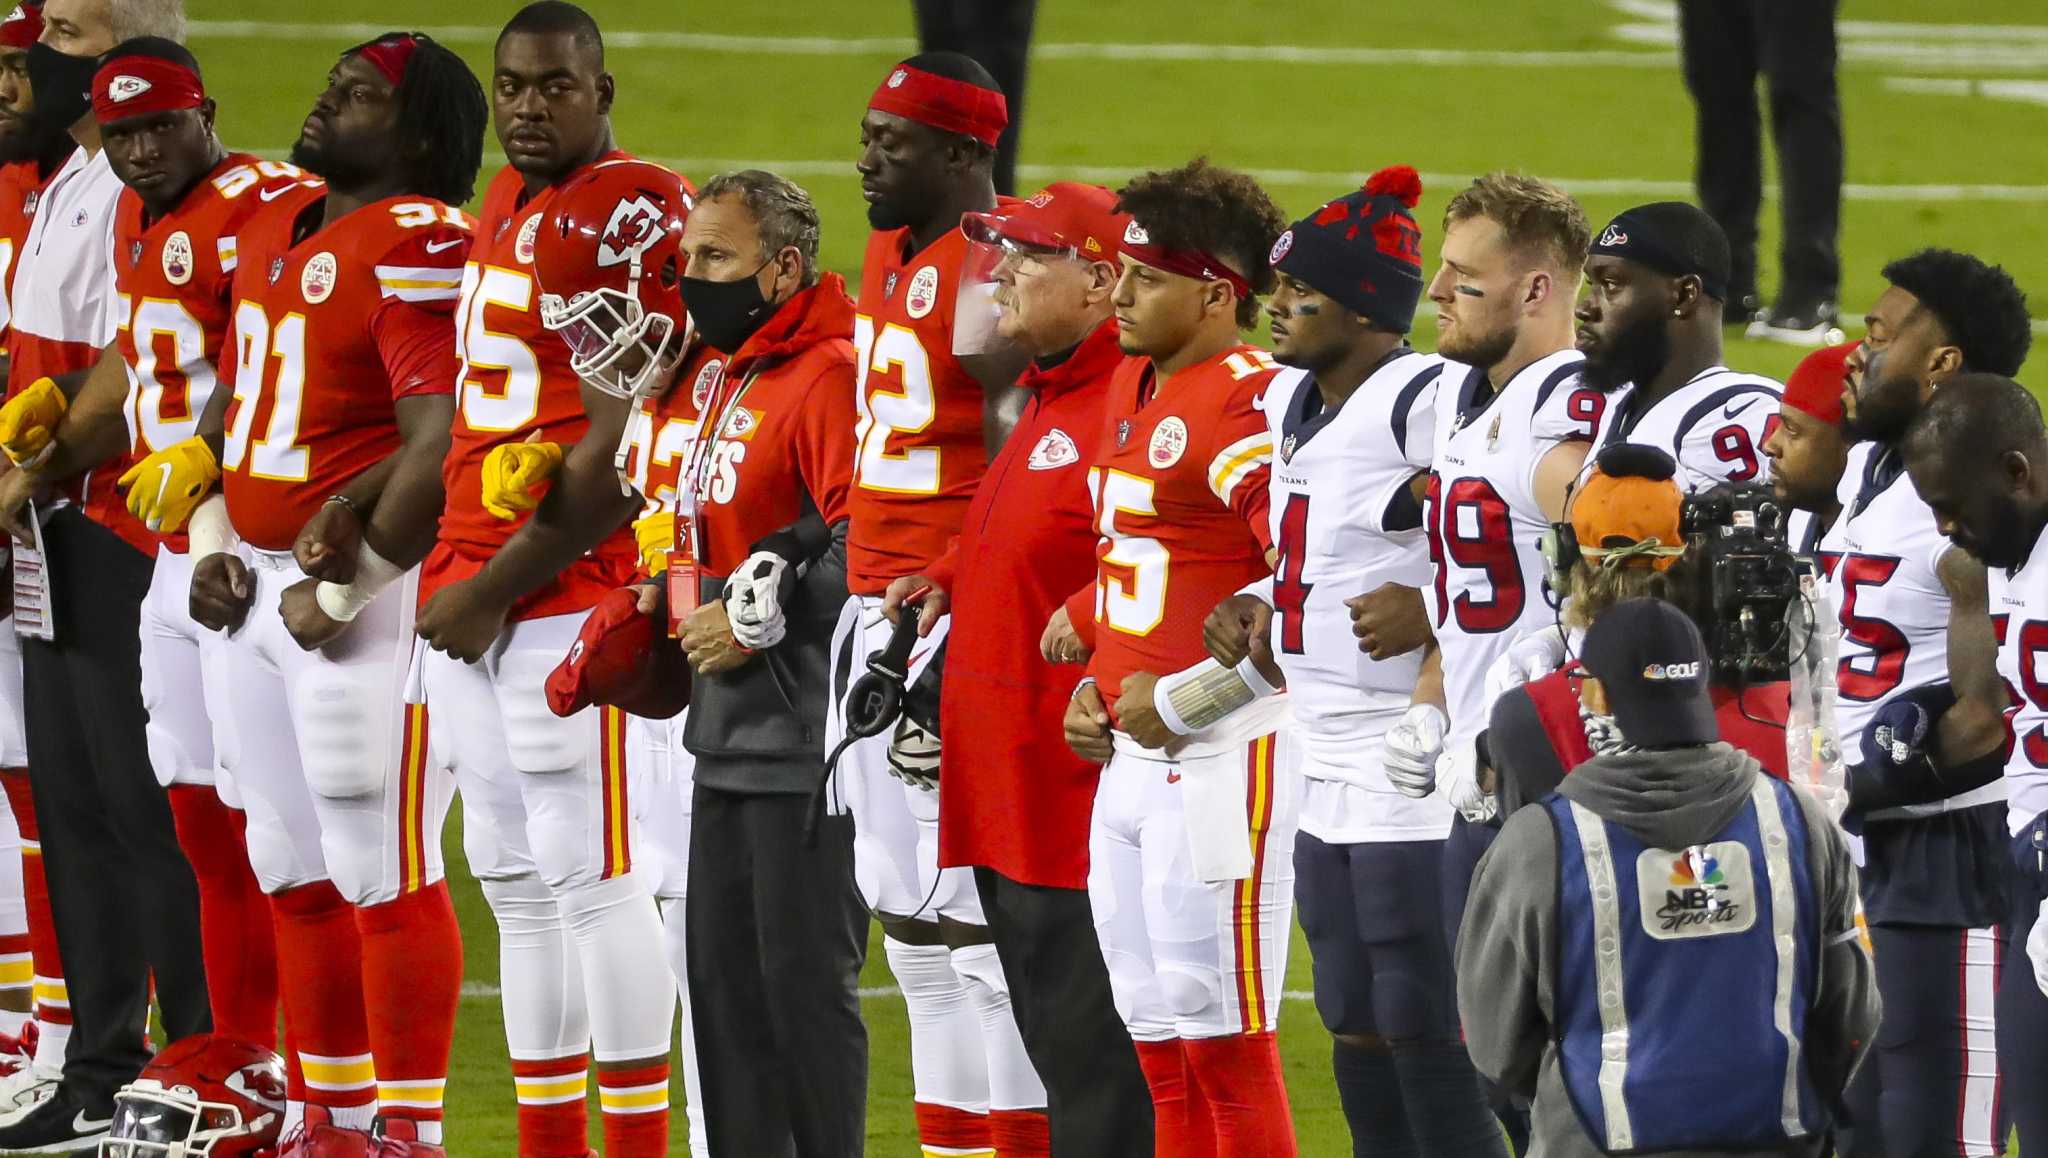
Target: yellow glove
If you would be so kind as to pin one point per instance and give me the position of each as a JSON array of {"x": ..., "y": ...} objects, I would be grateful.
[
  {"x": 656, "y": 534},
  {"x": 514, "y": 471},
  {"x": 164, "y": 488},
  {"x": 28, "y": 421}
]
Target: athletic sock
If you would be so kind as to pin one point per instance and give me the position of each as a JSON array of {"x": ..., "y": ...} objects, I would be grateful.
[
  {"x": 635, "y": 1105},
  {"x": 412, "y": 980},
  {"x": 631, "y": 993},
  {"x": 1446, "y": 1106},
  {"x": 236, "y": 933},
  {"x": 1239, "y": 1075},
  {"x": 1012, "y": 1080},
  {"x": 320, "y": 965},
  {"x": 17, "y": 963},
  {"x": 677, "y": 943},
  {"x": 1020, "y": 1133},
  {"x": 52, "y": 999},
  {"x": 1176, "y": 1133},
  {"x": 547, "y": 1029},
  {"x": 1369, "y": 1088},
  {"x": 554, "y": 1099},
  {"x": 948, "y": 1061}
]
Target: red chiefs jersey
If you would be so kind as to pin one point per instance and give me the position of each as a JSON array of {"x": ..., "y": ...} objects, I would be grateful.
[
  {"x": 515, "y": 380},
  {"x": 665, "y": 428},
  {"x": 21, "y": 183},
  {"x": 1179, "y": 486},
  {"x": 330, "y": 331},
  {"x": 920, "y": 449},
  {"x": 784, "y": 439},
  {"x": 173, "y": 304}
]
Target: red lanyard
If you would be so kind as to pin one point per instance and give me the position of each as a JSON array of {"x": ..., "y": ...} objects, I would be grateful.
[{"x": 684, "y": 586}]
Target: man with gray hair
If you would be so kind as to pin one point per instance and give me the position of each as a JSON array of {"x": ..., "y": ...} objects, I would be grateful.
[{"x": 125, "y": 903}]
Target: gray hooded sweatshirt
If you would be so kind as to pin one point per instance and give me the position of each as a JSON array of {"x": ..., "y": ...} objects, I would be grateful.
[{"x": 1507, "y": 947}]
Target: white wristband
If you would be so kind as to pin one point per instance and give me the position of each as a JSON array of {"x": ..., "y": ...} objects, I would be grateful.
[
  {"x": 210, "y": 532},
  {"x": 1195, "y": 699},
  {"x": 344, "y": 601}
]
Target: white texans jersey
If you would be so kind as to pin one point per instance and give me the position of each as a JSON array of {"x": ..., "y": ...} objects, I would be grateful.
[
  {"x": 1483, "y": 521},
  {"x": 1345, "y": 521},
  {"x": 1714, "y": 425},
  {"x": 1882, "y": 560},
  {"x": 2019, "y": 610}
]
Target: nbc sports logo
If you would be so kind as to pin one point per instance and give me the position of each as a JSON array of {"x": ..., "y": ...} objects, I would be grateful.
[
  {"x": 125, "y": 87},
  {"x": 1704, "y": 891},
  {"x": 1666, "y": 672}
]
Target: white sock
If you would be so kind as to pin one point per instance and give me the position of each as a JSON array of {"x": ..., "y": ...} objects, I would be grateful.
[
  {"x": 540, "y": 975},
  {"x": 948, "y": 1063},
  {"x": 52, "y": 1040},
  {"x": 693, "y": 1090},
  {"x": 1012, "y": 1080},
  {"x": 632, "y": 994}
]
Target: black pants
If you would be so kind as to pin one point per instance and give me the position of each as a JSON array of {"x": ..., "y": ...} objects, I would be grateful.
[
  {"x": 125, "y": 903},
  {"x": 776, "y": 935},
  {"x": 1726, "y": 43},
  {"x": 1095, "y": 1093},
  {"x": 997, "y": 34}
]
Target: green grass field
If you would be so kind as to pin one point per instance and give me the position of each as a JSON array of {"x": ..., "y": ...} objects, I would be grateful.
[{"x": 1311, "y": 97}]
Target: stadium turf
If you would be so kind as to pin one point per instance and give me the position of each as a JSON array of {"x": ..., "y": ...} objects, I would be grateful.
[{"x": 1939, "y": 120}]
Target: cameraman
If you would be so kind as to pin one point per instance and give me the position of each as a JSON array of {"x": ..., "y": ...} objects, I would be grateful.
[{"x": 1626, "y": 542}]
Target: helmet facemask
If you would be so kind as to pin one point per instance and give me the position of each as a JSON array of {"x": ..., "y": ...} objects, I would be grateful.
[
  {"x": 603, "y": 326},
  {"x": 152, "y": 1122}
]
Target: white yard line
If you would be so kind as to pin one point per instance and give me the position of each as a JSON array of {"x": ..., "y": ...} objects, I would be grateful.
[{"x": 485, "y": 991}]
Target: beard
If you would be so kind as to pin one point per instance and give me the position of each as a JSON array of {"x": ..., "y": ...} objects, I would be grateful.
[
  {"x": 1635, "y": 355},
  {"x": 882, "y": 215},
  {"x": 1481, "y": 352},
  {"x": 1884, "y": 406}
]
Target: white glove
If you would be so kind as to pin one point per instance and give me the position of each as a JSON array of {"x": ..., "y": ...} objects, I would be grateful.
[
  {"x": 1411, "y": 748},
  {"x": 1526, "y": 660},
  {"x": 753, "y": 600},
  {"x": 1458, "y": 770},
  {"x": 914, "y": 756},
  {"x": 2037, "y": 947}
]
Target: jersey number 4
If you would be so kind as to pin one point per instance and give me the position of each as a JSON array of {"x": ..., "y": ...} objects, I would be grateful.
[
  {"x": 1470, "y": 529},
  {"x": 1290, "y": 594}
]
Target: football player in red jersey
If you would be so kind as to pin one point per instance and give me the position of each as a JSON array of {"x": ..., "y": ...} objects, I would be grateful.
[
  {"x": 345, "y": 375},
  {"x": 580, "y": 944},
  {"x": 925, "y": 423},
  {"x": 175, "y": 234},
  {"x": 1190, "y": 870}
]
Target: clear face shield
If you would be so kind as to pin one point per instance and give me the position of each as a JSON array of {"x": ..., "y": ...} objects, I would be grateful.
[
  {"x": 164, "y": 1124},
  {"x": 620, "y": 348},
  {"x": 1009, "y": 268}
]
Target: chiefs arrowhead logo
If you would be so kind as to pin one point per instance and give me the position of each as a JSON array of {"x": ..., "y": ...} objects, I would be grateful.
[
  {"x": 635, "y": 225},
  {"x": 126, "y": 88},
  {"x": 1053, "y": 451}
]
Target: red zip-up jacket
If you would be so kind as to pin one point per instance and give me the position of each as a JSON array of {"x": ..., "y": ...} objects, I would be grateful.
[{"x": 1016, "y": 798}]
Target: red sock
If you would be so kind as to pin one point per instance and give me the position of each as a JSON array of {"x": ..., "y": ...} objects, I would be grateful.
[
  {"x": 52, "y": 1000},
  {"x": 945, "y": 1130},
  {"x": 1240, "y": 1077},
  {"x": 1020, "y": 1133},
  {"x": 1175, "y": 1135},
  {"x": 635, "y": 1105},
  {"x": 294, "y": 1073},
  {"x": 320, "y": 965},
  {"x": 236, "y": 932},
  {"x": 554, "y": 1101},
  {"x": 412, "y": 979}
]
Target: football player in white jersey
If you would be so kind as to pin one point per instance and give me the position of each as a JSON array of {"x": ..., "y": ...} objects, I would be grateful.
[
  {"x": 1914, "y": 614},
  {"x": 1354, "y": 424},
  {"x": 1978, "y": 455},
  {"x": 1808, "y": 448},
  {"x": 1650, "y": 328}
]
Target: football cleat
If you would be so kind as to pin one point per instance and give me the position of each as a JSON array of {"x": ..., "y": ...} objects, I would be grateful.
[
  {"x": 18, "y": 1051},
  {"x": 323, "y": 1140},
  {"x": 57, "y": 1124},
  {"x": 1812, "y": 325},
  {"x": 22, "y": 1091}
]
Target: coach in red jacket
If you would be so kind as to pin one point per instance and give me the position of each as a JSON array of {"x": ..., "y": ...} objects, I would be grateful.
[{"x": 1014, "y": 801}]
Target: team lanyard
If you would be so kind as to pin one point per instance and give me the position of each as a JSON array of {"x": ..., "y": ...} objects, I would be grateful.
[{"x": 693, "y": 488}]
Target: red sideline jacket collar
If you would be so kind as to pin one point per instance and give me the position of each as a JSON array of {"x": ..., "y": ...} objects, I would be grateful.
[{"x": 820, "y": 313}]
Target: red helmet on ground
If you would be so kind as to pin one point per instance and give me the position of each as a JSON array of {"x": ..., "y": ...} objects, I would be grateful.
[
  {"x": 608, "y": 256},
  {"x": 208, "y": 1094}
]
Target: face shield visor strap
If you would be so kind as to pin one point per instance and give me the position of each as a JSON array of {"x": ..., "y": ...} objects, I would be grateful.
[
  {"x": 989, "y": 273},
  {"x": 622, "y": 456}
]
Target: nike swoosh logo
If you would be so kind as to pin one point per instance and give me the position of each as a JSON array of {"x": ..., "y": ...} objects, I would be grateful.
[
  {"x": 269, "y": 195},
  {"x": 1734, "y": 409},
  {"x": 84, "y": 1125},
  {"x": 1259, "y": 401},
  {"x": 438, "y": 246},
  {"x": 1173, "y": 777},
  {"x": 914, "y": 657},
  {"x": 163, "y": 484}
]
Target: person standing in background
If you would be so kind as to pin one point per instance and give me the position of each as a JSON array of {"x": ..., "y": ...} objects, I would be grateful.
[
  {"x": 997, "y": 35},
  {"x": 1724, "y": 44}
]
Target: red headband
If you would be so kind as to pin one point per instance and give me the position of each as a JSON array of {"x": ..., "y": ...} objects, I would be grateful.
[
  {"x": 951, "y": 106},
  {"x": 1816, "y": 385},
  {"x": 1194, "y": 263},
  {"x": 23, "y": 27},
  {"x": 138, "y": 86},
  {"x": 390, "y": 55}
]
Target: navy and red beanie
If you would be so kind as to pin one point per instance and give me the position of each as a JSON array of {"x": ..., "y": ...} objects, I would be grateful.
[{"x": 1363, "y": 250}]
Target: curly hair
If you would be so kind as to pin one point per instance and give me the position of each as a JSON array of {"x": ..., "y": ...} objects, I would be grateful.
[
  {"x": 442, "y": 116},
  {"x": 1540, "y": 219},
  {"x": 1980, "y": 308},
  {"x": 1217, "y": 210}
]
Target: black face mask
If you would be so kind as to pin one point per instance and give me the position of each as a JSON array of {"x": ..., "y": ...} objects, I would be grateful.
[
  {"x": 62, "y": 84},
  {"x": 726, "y": 313}
]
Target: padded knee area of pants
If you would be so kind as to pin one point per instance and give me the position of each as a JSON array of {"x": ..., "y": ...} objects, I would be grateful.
[
  {"x": 1189, "y": 993},
  {"x": 538, "y": 740},
  {"x": 343, "y": 739},
  {"x": 1410, "y": 1007},
  {"x": 979, "y": 966},
  {"x": 525, "y": 910}
]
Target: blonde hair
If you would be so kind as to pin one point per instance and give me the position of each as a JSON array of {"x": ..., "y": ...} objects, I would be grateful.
[
  {"x": 1542, "y": 222},
  {"x": 1594, "y": 589},
  {"x": 132, "y": 18}
]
